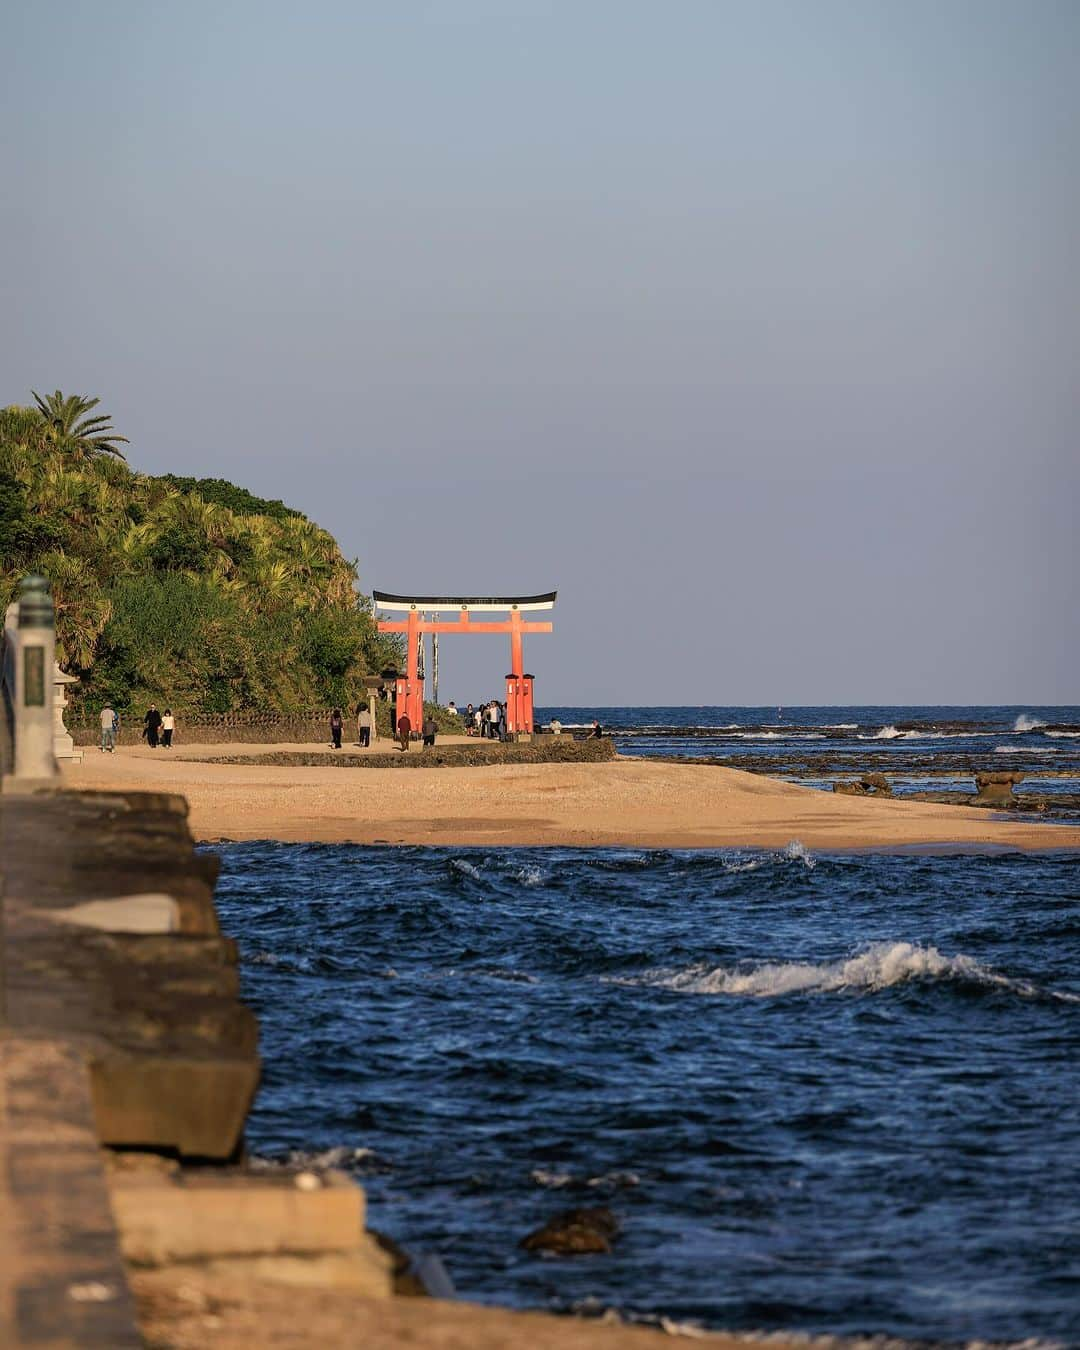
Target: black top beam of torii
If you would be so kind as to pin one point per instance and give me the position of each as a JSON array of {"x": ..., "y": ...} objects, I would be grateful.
[{"x": 388, "y": 600}]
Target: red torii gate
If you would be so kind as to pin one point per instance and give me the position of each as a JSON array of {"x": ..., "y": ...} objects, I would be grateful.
[{"x": 519, "y": 686}]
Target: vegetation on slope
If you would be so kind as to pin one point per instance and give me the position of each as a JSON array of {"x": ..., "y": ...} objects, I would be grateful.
[{"x": 192, "y": 593}]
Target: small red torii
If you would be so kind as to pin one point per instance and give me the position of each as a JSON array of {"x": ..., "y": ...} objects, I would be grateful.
[{"x": 519, "y": 686}]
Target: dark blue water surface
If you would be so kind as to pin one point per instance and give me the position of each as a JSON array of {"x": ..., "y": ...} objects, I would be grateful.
[
  {"x": 897, "y": 739},
  {"x": 823, "y": 1093}
]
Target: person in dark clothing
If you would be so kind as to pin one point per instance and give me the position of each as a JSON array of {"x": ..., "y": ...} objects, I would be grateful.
[
  {"x": 151, "y": 726},
  {"x": 429, "y": 730},
  {"x": 336, "y": 724},
  {"x": 597, "y": 730},
  {"x": 404, "y": 730}
]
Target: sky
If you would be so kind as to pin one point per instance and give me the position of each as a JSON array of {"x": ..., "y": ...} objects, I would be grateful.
[{"x": 752, "y": 328}]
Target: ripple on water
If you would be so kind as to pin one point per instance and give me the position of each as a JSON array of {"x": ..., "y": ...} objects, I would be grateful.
[{"x": 819, "y": 1092}]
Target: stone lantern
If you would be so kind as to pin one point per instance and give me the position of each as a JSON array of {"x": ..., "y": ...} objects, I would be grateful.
[{"x": 63, "y": 745}]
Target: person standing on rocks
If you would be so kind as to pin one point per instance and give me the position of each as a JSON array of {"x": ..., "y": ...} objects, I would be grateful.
[
  {"x": 168, "y": 726},
  {"x": 336, "y": 724},
  {"x": 109, "y": 724},
  {"x": 151, "y": 726},
  {"x": 404, "y": 730}
]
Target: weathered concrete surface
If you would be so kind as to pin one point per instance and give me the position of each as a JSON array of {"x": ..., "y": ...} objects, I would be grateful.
[
  {"x": 172, "y": 1052},
  {"x": 192, "y": 1310},
  {"x": 206, "y": 1214},
  {"x": 62, "y": 1282},
  {"x": 122, "y": 1036}
]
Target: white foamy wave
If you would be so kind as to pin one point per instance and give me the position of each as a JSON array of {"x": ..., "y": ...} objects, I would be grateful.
[
  {"x": 779, "y": 736},
  {"x": 552, "y": 1181},
  {"x": 842, "y": 726},
  {"x": 1023, "y": 750},
  {"x": 880, "y": 966},
  {"x": 1064, "y": 735},
  {"x": 318, "y": 1160},
  {"x": 742, "y": 864},
  {"x": 559, "y": 1181},
  {"x": 1028, "y": 722},
  {"x": 465, "y": 868},
  {"x": 888, "y": 733},
  {"x": 530, "y": 876},
  {"x": 797, "y": 849}
]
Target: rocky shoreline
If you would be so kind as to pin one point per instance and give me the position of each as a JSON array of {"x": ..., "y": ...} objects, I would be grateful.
[{"x": 549, "y": 750}]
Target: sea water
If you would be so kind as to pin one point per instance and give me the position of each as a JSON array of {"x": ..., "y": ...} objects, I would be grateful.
[{"x": 819, "y": 1092}]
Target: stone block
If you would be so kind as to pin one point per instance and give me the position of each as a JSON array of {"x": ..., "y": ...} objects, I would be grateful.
[
  {"x": 203, "y": 1216},
  {"x": 196, "y": 1106},
  {"x": 363, "y": 1271}
]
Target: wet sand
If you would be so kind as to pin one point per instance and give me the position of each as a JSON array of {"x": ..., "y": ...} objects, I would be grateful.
[{"x": 627, "y": 802}]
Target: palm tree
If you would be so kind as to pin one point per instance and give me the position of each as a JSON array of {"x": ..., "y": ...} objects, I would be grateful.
[{"x": 72, "y": 431}]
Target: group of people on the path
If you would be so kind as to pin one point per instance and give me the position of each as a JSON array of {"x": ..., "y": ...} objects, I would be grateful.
[
  {"x": 487, "y": 720},
  {"x": 157, "y": 729}
]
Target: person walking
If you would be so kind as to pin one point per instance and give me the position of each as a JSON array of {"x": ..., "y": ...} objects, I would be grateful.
[
  {"x": 363, "y": 725},
  {"x": 336, "y": 724},
  {"x": 429, "y": 729},
  {"x": 404, "y": 730},
  {"x": 168, "y": 726},
  {"x": 151, "y": 726},
  {"x": 109, "y": 724}
]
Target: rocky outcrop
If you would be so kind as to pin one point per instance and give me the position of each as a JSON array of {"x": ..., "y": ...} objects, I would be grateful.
[
  {"x": 996, "y": 789},
  {"x": 576, "y": 1232},
  {"x": 869, "y": 785},
  {"x": 551, "y": 750}
]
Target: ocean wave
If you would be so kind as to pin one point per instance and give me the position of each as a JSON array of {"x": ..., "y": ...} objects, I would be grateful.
[
  {"x": 1028, "y": 722},
  {"x": 465, "y": 868},
  {"x": 891, "y": 733},
  {"x": 797, "y": 850},
  {"x": 779, "y": 736},
  {"x": 1064, "y": 735},
  {"x": 561, "y": 1181},
  {"x": 1024, "y": 750},
  {"x": 320, "y": 1160},
  {"x": 881, "y": 966}
]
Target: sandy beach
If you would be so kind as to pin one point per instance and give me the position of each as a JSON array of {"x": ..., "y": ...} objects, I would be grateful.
[{"x": 628, "y": 802}]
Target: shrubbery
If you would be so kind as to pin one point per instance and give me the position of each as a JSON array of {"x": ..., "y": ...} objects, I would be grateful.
[{"x": 190, "y": 592}]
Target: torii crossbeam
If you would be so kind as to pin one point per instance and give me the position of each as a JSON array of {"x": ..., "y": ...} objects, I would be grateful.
[{"x": 519, "y": 686}]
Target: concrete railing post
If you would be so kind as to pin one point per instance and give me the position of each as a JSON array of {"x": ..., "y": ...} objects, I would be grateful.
[{"x": 31, "y": 648}]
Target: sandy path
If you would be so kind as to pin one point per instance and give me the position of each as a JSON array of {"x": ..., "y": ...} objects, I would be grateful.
[{"x": 631, "y": 802}]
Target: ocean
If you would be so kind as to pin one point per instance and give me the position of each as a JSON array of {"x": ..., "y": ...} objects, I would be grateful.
[{"x": 819, "y": 1092}]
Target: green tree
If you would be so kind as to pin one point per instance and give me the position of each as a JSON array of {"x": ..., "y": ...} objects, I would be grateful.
[{"x": 73, "y": 432}]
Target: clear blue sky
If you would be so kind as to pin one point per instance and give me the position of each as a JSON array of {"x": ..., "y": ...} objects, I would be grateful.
[{"x": 752, "y": 327}]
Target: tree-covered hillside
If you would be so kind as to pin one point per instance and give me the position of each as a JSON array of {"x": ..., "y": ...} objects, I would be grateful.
[{"x": 193, "y": 593}]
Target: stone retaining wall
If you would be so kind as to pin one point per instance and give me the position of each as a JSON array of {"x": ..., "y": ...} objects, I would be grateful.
[{"x": 220, "y": 728}]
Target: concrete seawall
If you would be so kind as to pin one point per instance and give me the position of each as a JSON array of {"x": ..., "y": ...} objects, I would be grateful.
[{"x": 121, "y": 1026}]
